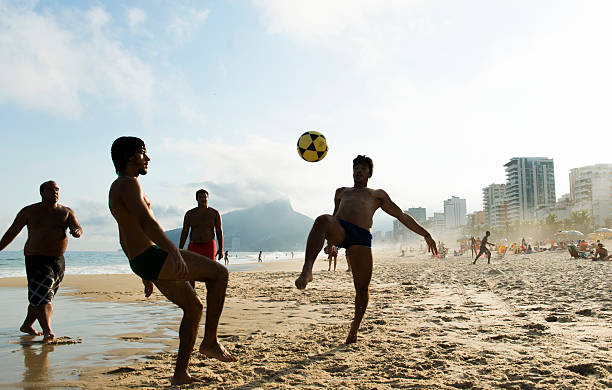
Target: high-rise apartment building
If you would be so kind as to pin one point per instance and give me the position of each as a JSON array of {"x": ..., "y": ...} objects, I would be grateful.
[
  {"x": 455, "y": 214},
  {"x": 438, "y": 222},
  {"x": 530, "y": 185},
  {"x": 591, "y": 190},
  {"x": 418, "y": 213},
  {"x": 494, "y": 205},
  {"x": 400, "y": 232}
]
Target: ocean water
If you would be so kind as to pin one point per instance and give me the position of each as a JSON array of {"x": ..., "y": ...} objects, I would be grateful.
[{"x": 91, "y": 263}]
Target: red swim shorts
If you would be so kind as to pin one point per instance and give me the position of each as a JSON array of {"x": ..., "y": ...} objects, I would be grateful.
[{"x": 206, "y": 249}]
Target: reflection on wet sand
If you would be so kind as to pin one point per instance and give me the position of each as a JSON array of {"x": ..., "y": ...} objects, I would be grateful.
[
  {"x": 102, "y": 336},
  {"x": 36, "y": 360}
]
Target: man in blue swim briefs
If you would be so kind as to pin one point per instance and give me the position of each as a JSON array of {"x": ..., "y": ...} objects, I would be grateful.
[
  {"x": 349, "y": 227},
  {"x": 158, "y": 262}
]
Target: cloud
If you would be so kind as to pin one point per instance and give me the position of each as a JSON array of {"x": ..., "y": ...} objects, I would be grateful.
[
  {"x": 50, "y": 63},
  {"x": 162, "y": 211},
  {"x": 186, "y": 21},
  {"x": 98, "y": 17},
  {"x": 228, "y": 196},
  {"x": 136, "y": 17},
  {"x": 240, "y": 175},
  {"x": 359, "y": 28},
  {"x": 58, "y": 60}
]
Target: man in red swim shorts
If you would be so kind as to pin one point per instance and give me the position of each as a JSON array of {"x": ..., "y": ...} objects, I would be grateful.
[{"x": 204, "y": 222}]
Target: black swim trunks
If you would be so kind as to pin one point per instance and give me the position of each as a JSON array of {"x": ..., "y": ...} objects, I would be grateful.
[
  {"x": 44, "y": 274},
  {"x": 148, "y": 264},
  {"x": 355, "y": 235}
]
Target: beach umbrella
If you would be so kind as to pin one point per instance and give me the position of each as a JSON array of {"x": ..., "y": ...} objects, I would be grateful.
[
  {"x": 594, "y": 236},
  {"x": 605, "y": 231},
  {"x": 573, "y": 234}
]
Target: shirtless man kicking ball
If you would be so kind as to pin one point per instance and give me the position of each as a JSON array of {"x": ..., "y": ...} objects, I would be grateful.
[
  {"x": 157, "y": 261},
  {"x": 349, "y": 227}
]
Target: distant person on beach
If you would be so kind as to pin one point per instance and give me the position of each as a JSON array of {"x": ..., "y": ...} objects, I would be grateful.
[
  {"x": 349, "y": 227},
  {"x": 473, "y": 246},
  {"x": 601, "y": 253},
  {"x": 226, "y": 257},
  {"x": 44, "y": 249},
  {"x": 204, "y": 222},
  {"x": 259, "y": 258},
  {"x": 165, "y": 266},
  {"x": 484, "y": 249},
  {"x": 332, "y": 254}
]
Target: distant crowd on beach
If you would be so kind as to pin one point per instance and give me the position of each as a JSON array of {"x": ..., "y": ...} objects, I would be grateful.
[{"x": 579, "y": 249}]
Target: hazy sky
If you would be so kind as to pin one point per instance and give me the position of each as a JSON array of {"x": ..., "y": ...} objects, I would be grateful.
[{"x": 440, "y": 94}]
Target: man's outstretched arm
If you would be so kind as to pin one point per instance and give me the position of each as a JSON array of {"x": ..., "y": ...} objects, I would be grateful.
[
  {"x": 393, "y": 210},
  {"x": 12, "y": 232}
]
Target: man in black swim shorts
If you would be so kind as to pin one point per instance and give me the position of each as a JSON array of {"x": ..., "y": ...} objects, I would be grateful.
[
  {"x": 159, "y": 262},
  {"x": 47, "y": 222},
  {"x": 349, "y": 227}
]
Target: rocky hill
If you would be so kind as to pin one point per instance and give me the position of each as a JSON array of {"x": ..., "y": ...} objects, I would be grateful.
[{"x": 272, "y": 226}]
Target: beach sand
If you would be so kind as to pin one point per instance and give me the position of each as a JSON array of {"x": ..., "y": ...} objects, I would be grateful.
[{"x": 526, "y": 321}]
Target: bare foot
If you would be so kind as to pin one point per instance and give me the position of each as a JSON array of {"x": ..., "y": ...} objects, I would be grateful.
[
  {"x": 48, "y": 338},
  {"x": 183, "y": 379},
  {"x": 218, "y": 352},
  {"x": 29, "y": 330},
  {"x": 351, "y": 338},
  {"x": 303, "y": 280}
]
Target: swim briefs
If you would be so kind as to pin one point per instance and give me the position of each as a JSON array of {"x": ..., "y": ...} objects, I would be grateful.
[
  {"x": 148, "y": 264},
  {"x": 355, "y": 235},
  {"x": 206, "y": 249},
  {"x": 44, "y": 275}
]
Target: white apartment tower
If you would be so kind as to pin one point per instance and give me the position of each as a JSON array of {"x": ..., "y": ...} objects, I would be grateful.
[
  {"x": 494, "y": 205},
  {"x": 591, "y": 190},
  {"x": 530, "y": 185},
  {"x": 455, "y": 214}
]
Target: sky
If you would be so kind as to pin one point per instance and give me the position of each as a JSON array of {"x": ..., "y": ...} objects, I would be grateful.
[{"x": 439, "y": 94}]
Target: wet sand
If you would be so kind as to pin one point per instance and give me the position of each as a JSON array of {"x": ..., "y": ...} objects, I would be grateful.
[{"x": 526, "y": 321}]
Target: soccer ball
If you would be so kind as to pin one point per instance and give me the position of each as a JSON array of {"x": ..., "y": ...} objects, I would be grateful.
[{"x": 312, "y": 146}]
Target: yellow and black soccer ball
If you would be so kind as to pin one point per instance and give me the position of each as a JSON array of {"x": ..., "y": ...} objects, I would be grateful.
[{"x": 312, "y": 146}]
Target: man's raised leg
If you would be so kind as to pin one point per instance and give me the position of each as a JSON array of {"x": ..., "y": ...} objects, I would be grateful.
[
  {"x": 27, "y": 326},
  {"x": 182, "y": 294},
  {"x": 324, "y": 227},
  {"x": 361, "y": 264}
]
